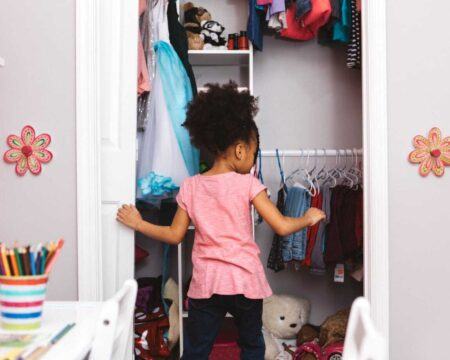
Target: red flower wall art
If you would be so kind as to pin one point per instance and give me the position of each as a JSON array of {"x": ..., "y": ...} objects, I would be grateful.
[
  {"x": 432, "y": 153},
  {"x": 28, "y": 151}
]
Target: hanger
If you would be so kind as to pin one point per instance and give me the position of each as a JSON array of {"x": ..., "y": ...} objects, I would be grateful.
[
  {"x": 300, "y": 175},
  {"x": 280, "y": 168}
]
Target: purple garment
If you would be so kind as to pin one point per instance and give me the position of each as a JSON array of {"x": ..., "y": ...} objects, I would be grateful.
[{"x": 276, "y": 7}]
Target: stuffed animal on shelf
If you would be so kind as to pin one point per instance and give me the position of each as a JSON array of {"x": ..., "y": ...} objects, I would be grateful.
[
  {"x": 193, "y": 16},
  {"x": 212, "y": 34},
  {"x": 283, "y": 317}
]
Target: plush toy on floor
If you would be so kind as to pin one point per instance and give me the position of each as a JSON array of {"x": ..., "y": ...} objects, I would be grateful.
[
  {"x": 193, "y": 16},
  {"x": 171, "y": 294},
  {"x": 283, "y": 317}
]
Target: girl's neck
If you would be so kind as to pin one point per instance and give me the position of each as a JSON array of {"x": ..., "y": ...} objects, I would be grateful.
[{"x": 221, "y": 166}]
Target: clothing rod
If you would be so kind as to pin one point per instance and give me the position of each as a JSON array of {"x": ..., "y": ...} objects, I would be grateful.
[{"x": 312, "y": 152}]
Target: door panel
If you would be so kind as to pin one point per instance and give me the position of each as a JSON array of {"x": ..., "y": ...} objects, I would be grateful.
[{"x": 118, "y": 66}]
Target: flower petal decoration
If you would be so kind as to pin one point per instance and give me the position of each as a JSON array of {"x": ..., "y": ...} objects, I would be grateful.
[
  {"x": 432, "y": 153},
  {"x": 28, "y": 151}
]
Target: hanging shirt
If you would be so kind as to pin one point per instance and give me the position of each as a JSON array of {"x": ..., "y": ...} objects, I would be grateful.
[
  {"x": 275, "y": 260},
  {"x": 341, "y": 29},
  {"x": 308, "y": 26},
  {"x": 298, "y": 201},
  {"x": 225, "y": 256}
]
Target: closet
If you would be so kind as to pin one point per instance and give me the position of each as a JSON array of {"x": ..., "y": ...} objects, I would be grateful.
[{"x": 309, "y": 101}]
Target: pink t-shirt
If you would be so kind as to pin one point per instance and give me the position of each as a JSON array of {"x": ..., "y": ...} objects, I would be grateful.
[{"x": 225, "y": 257}]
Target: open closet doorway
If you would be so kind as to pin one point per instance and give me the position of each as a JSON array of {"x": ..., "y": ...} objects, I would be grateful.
[{"x": 106, "y": 127}]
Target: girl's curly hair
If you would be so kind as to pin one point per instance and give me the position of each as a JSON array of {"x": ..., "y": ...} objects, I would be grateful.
[{"x": 221, "y": 116}]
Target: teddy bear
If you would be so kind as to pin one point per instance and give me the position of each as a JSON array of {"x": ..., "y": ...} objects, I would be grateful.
[
  {"x": 283, "y": 317},
  {"x": 193, "y": 16},
  {"x": 170, "y": 295}
]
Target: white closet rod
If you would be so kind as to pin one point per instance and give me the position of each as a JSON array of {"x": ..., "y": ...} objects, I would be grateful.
[{"x": 312, "y": 152}]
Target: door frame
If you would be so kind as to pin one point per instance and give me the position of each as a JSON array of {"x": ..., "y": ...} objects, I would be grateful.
[{"x": 89, "y": 106}]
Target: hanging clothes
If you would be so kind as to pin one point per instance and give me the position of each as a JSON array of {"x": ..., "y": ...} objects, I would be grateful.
[
  {"x": 325, "y": 35},
  {"x": 354, "y": 47},
  {"x": 341, "y": 28},
  {"x": 276, "y": 15},
  {"x": 178, "y": 39},
  {"x": 166, "y": 155},
  {"x": 143, "y": 75},
  {"x": 307, "y": 27},
  {"x": 317, "y": 262},
  {"x": 316, "y": 202},
  {"x": 298, "y": 200},
  {"x": 255, "y": 24},
  {"x": 275, "y": 260}
]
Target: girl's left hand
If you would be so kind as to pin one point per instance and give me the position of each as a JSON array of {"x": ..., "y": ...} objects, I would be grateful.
[{"x": 129, "y": 216}]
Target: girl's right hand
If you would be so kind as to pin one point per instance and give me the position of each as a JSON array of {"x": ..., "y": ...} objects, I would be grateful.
[
  {"x": 314, "y": 215},
  {"x": 129, "y": 216}
]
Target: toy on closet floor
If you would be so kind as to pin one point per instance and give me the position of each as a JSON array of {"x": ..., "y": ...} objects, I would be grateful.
[
  {"x": 202, "y": 31},
  {"x": 283, "y": 317},
  {"x": 325, "y": 342},
  {"x": 155, "y": 332}
]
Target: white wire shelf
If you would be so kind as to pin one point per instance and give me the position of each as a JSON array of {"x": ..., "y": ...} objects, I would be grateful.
[{"x": 220, "y": 57}]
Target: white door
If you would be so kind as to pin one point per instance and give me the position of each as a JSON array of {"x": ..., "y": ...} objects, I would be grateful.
[{"x": 118, "y": 69}]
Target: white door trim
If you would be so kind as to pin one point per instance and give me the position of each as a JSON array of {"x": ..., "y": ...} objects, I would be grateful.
[
  {"x": 88, "y": 151},
  {"x": 89, "y": 106},
  {"x": 375, "y": 144}
]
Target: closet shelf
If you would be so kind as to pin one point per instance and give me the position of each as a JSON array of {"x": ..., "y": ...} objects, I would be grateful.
[{"x": 220, "y": 57}]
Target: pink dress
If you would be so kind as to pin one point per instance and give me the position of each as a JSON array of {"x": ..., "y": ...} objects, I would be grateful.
[
  {"x": 225, "y": 257},
  {"x": 143, "y": 76}
]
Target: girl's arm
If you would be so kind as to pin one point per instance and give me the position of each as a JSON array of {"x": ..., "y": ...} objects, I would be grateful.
[
  {"x": 173, "y": 234},
  {"x": 284, "y": 225}
]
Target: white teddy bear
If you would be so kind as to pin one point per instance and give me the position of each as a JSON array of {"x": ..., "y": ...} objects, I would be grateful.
[{"x": 283, "y": 317}]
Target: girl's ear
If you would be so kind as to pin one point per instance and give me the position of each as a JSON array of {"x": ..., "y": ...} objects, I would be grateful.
[{"x": 239, "y": 151}]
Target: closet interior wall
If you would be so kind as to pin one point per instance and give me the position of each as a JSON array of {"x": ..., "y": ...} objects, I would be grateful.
[{"x": 313, "y": 101}]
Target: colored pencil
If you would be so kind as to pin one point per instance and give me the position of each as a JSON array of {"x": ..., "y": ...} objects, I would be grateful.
[
  {"x": 32, "y": 263},
  {"x": 52, "y": 260},
  {"x": 25, "y": 261},
  {"x": 43, "y": 260},
  {"x": 14, "y": 262},
  {"x": 19, "y": 261},
  {"x": 5, "y": 260}
]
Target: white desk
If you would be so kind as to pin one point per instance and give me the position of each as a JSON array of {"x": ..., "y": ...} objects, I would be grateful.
[{"x": 76, "y": 344}]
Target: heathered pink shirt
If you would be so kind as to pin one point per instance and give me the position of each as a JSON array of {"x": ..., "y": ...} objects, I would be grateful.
[{"x": 225, "y": 257}]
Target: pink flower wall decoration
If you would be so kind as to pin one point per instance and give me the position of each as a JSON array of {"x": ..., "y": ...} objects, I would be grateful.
[
  {"x": 432, "y": 153},
  {"x": 28, "y": 151}
]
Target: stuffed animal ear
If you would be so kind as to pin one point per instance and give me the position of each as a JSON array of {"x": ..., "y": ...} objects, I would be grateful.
[{"x": 188, "y": 6}]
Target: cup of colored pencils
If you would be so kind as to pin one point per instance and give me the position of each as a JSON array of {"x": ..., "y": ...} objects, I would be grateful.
[{"x": 23, "y": 283}]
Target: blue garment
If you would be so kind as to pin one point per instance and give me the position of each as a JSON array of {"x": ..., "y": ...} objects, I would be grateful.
[
  {"x": 302, "y": 8},
  {"x": 206, "y": 317},
  {"x": 178, "y": 93},
  {"x": 341, "y": 28},
  {"x": 255, "y": 25},
  {"x": 298, "y": 201}
]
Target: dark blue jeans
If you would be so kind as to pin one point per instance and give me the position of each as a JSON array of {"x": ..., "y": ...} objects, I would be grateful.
[{"x": 205, "y": 319}]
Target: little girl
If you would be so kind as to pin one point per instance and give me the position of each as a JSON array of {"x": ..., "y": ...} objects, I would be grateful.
[{"x": 228, "y": 276}]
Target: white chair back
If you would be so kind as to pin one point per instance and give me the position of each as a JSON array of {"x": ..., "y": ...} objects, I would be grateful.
[
  {"x": 114, "y": 333},
  {"x": 362, "y": 340}
]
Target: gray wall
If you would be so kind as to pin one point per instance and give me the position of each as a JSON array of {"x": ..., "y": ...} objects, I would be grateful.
[
  {"x": 418, "y": 99},
  {"x": 37, "y": 87}
]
